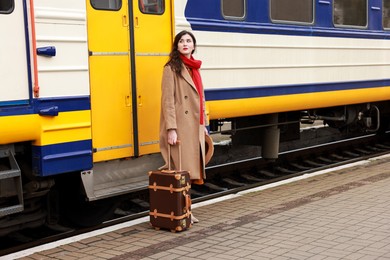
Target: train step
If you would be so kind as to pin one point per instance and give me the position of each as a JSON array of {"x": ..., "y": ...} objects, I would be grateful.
[
  {"x": 10, "y": 183},
  {"x": 118, "y": 177}
]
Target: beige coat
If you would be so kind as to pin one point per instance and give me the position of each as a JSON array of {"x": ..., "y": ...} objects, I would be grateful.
[{"x": 180, "y": 111}]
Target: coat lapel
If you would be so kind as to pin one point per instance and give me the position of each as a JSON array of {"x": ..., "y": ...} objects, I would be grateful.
[{"x": 187, "y": 77}]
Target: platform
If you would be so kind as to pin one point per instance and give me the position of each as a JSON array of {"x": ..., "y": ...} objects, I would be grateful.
[{"x": 340, "y": 214}]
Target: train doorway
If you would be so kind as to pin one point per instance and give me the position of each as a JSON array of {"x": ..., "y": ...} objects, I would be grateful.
[
  {"x": 110, "y": 77},
  {"x": 128, "y": 50},
  {"x": 153, "y": 42},
  {"x": 14, "y": 68}
]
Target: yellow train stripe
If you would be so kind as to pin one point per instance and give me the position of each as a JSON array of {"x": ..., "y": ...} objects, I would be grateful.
[
  {"x": 46, "y": 130},
  {"x": 296, "y": 102}
]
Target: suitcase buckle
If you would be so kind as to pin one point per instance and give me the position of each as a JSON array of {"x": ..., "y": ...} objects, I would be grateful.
[{"x": 183, "y": 180}]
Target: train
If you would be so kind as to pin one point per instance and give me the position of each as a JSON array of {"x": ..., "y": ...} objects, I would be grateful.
[{"x": 80, "y": 85}]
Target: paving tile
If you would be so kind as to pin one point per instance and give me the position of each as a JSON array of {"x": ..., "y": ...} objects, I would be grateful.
[{"x": 339, "y": 215}]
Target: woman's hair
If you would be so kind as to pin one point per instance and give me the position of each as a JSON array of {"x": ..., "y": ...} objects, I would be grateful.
[{"x": 174, "y": 57}]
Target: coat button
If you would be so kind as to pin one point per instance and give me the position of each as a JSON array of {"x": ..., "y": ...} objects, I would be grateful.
[{"x": 186, "y": 112}]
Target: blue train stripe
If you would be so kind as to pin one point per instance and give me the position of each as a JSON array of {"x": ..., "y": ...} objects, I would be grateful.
[
  {"x": 66, "y": 104},
  {"x": 257, "y": 21},
  {"x": 14, "y": 103},
  {"x": 61, "y": 158},
  {"x": 266, "y": 91},
  {"x": 63, "y": 104},
  {"x": 291, "y": 30}
]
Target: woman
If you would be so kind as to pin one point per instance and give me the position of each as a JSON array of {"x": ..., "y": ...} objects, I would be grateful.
[{"x": 183, "y": 109}]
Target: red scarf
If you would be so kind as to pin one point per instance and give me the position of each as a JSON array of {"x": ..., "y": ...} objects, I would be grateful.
[{"x": 194, "y": 65}]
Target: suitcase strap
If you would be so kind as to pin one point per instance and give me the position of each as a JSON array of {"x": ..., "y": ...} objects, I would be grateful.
[
  {"x": 171, "y": 216},
  {"x": 156, "y": 187}
]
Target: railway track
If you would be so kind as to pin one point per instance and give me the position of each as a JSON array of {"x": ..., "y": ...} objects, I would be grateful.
[
  {"x": 227, "y": 179},
  {"x": 290, "y": 164}
]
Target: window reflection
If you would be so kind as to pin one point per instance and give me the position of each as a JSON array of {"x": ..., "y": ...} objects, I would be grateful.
[
  {"x": 386, "y": 14},
  {"x": 113, "y": 5},
  {"x": 151, "y": 6},
  {"x": 6, "y": 6},
  {"x": 350, "y": 12},
  {"x": 233, "y": 8},
  {"x": 294, "y": 11}
]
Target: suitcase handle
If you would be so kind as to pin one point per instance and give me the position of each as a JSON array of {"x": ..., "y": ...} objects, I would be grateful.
[{"x": 169, "y": 155}]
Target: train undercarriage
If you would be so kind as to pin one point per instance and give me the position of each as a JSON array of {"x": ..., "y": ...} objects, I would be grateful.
[{"x": 86, "y": 199}]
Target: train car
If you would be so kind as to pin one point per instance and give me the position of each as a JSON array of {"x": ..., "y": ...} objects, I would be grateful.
[{"x": 80, "y": 88}]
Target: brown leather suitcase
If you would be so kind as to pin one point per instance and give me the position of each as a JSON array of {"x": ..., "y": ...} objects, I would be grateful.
[{"x": 169, "y": 198}]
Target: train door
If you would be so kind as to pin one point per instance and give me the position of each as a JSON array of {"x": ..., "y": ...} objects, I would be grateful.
[
  {"x": 14, "y": 81},
  {"x": 153, "y": 41},
  {"x": 110, "y": 77}
]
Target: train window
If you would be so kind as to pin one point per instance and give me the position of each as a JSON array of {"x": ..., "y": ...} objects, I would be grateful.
[
  {"x": 152, "y": 6},
  {"x": 350, "y": 12},
  {"x": 6, "y": 6},
  {"x": 301, "y": 11},
  {"x": 111, "y": 5},
  {"x": 233, "y": 9},
  {"x": 386, "y": 14}
]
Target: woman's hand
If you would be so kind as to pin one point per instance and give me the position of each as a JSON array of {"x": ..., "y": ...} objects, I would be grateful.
[{"x": 172, "y": 136}]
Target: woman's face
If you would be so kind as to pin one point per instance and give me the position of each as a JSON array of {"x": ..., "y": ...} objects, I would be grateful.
[{"x": 186, "y": 45}]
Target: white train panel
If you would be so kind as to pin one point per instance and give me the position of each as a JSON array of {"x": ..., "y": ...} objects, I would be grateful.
[
  {"x": 271, "y": 60},
  {"x": 62, "y": 26},
  {"x": 13, "y": 65}
]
